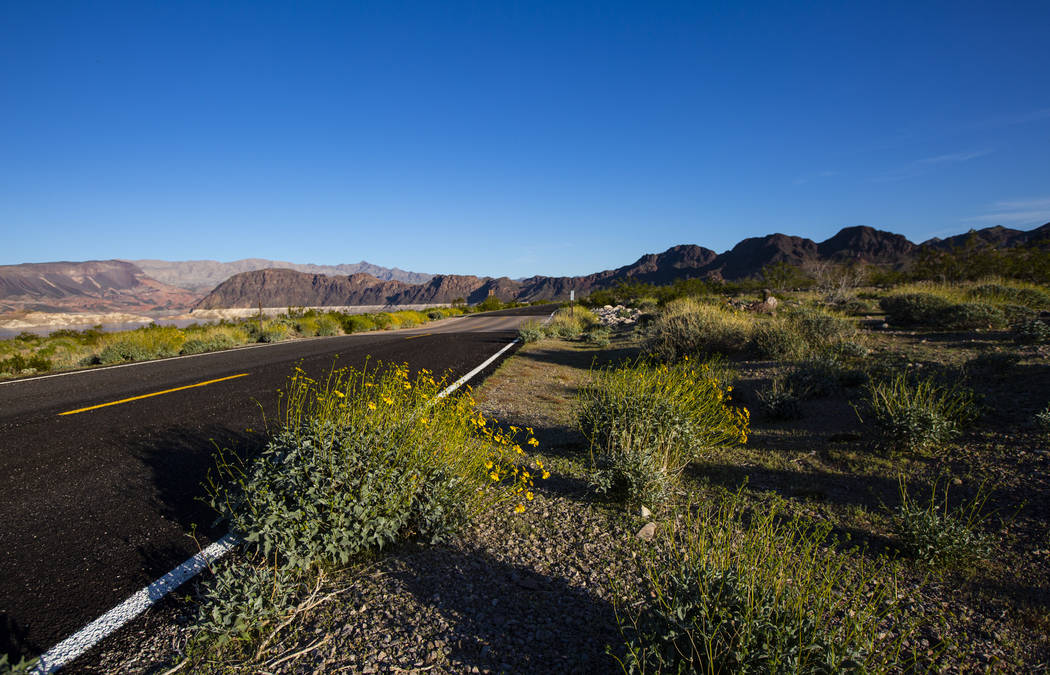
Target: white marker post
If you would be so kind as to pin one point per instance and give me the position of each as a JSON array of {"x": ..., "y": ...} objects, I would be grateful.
[{"x": 572, "y": 299}]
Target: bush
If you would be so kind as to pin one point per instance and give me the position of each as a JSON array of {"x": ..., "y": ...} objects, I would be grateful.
[
  {"x": 121, "y": 352},
  {"x": 570, "y": 324},
  {"x": 306, "y": 326},
  {"x": 938, "y": 536},
  {"x": 1042, "y": 419},
  {"x": 327, "y": 325},
  {"x": 18, "y": 363},
  {"x": 598, "y": 336},
  {"x": 919, "y": 417},
  {"x": 819, "y": 327},
  {"x": 735, "y": 590},
  {"x": 358, "y": 323},
  {"x": 822, "y": 377},
  {"x": 362, "y": 460},
  {"x": 212, "y": 344},
  {"x": 646, "y": 423},
  {"x": 1032, "y": 298},
  {"x": 531, "y": 331},
  {"x": 690, "y": 328},
  {"x": 780, "y": 402},
  {"x": 775, "y": 338},
  {"x": 1034, "y": 331},
  {"x": 927, "y": 309},
  {"x": 273, "y": 331}
]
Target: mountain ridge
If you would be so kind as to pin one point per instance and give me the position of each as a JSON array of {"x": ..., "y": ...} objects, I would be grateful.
[{"x": 859, "y": 244}]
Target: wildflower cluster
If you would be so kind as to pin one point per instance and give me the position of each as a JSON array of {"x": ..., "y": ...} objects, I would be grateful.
[
  {"x": 645, "y": 423},
  {"x": 363, "y": 459}
]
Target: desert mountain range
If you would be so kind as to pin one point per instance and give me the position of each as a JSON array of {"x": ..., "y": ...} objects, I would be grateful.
[
  {"x": 280, "y": 288},
  {"x": 156, "y": 285},
  {"x": 201, "y": 276}
]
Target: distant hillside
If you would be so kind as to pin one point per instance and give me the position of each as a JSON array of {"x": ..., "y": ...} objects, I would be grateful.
[
  {"x": 96, "y": 285},
  {"x": 277, "y": 288},
  {"x": 203, "y": 275}
]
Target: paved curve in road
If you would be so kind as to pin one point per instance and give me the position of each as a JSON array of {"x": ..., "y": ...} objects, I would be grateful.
[{"x": 97, "y": 504}]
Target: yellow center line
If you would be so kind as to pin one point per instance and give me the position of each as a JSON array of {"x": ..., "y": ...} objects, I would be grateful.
[
  {"x": 413, "y": 337},
  {"x": 156, "y": 393}
]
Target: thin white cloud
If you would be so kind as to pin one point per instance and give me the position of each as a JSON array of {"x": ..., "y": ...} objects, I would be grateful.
[
  {"x": 953, "y": 158},
  {"x": 1017, "y": 212},
  {"x": 927, "y": 164}
]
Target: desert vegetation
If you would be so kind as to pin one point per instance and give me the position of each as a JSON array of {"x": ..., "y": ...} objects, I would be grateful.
[
  {"x": 29, "y": 354},
  {"x": 823, "y": 487}
]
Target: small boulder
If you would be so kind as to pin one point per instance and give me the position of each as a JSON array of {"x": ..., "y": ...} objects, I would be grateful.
[{"x": 647, "y": 532}]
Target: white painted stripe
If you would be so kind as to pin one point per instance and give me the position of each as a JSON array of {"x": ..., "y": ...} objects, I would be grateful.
[
  {"x": 466, "y": 378},
  {"x": 90, "y": 635}
]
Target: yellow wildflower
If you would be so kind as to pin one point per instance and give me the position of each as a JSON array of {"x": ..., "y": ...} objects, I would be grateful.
[
  {"x": 529, "y": 495},
  {"x": 371, "y": 406},
  {"x": 520, "y": 508}
]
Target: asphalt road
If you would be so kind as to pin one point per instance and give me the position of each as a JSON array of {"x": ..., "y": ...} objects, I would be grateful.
[{"x": 97, "y": 504}]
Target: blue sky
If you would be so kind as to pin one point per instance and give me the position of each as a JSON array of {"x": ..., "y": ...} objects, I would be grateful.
[{"x": 511, "y": 139}]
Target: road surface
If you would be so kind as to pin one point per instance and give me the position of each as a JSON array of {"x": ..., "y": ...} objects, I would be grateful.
[{"x": 102, "y": 469}]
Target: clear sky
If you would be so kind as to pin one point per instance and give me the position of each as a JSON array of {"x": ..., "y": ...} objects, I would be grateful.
[{"x": 501, "y": 138}]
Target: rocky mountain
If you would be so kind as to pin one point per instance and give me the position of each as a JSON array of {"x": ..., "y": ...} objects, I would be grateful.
[
  {"x": 203, "y": 275},
  {"x": 278, "y": 288},
  {"x": 96, "y": 285},
  {"x": 996, "y": 237}
]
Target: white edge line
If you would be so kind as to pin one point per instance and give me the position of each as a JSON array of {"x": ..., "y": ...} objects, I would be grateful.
[
  {"x": 90, "y": 635},
  {"x": 93, "y": 633},
  {"x": 466, "y": 378}
]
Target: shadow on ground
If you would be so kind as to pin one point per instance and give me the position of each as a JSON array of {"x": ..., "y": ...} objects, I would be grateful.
[{"x": 509, "y": 618}]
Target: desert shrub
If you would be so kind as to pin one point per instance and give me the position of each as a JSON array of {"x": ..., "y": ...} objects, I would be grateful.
[
  {"x": 780, "y": 401},
  {"x": 570, "y": 324},
  {"x": 1025, "y": 296},
  {"x": 362, "y": 460},
  {"x": 739, "y": 590},
  {"x": 598, "y": 336},
  {"x": 690, "y": 328},
  {"x": 17, "y": 363},
  {"x": 358, "y": 323},
  {"x": 121, "y": 352},
  {"x": 407, "y": 319},
  {"x": 914, "y": 308},
  {"x": 1042, "y": 419},
  {"x": 927, "y": 309},
  {"x": 645, "y": 423},
  {"x": 382, "y": 321},
  {"x": 776, "y": 338},
  {"x": 327, "y": 325},
  {"x": 819, "y": 327},
  {"x": 1014, "y": 314},
  {"x": 939, "y": 536},
  {"x": 434, "y": 315},
  {"x": 919, "y": 417},
  {"x": 1033, "y": 331},
  {"x": 200, "y": 346},
  {"x": 306, "y": 326},
  {"x": 149, "y": 342},
  {"x": 88, "y": 336},
  {"x": 273, "y": 331},
  {"x": 973, "y": 315},
  {"x": 992, "y": 363},
  {"x": 531, "y": 331}
]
